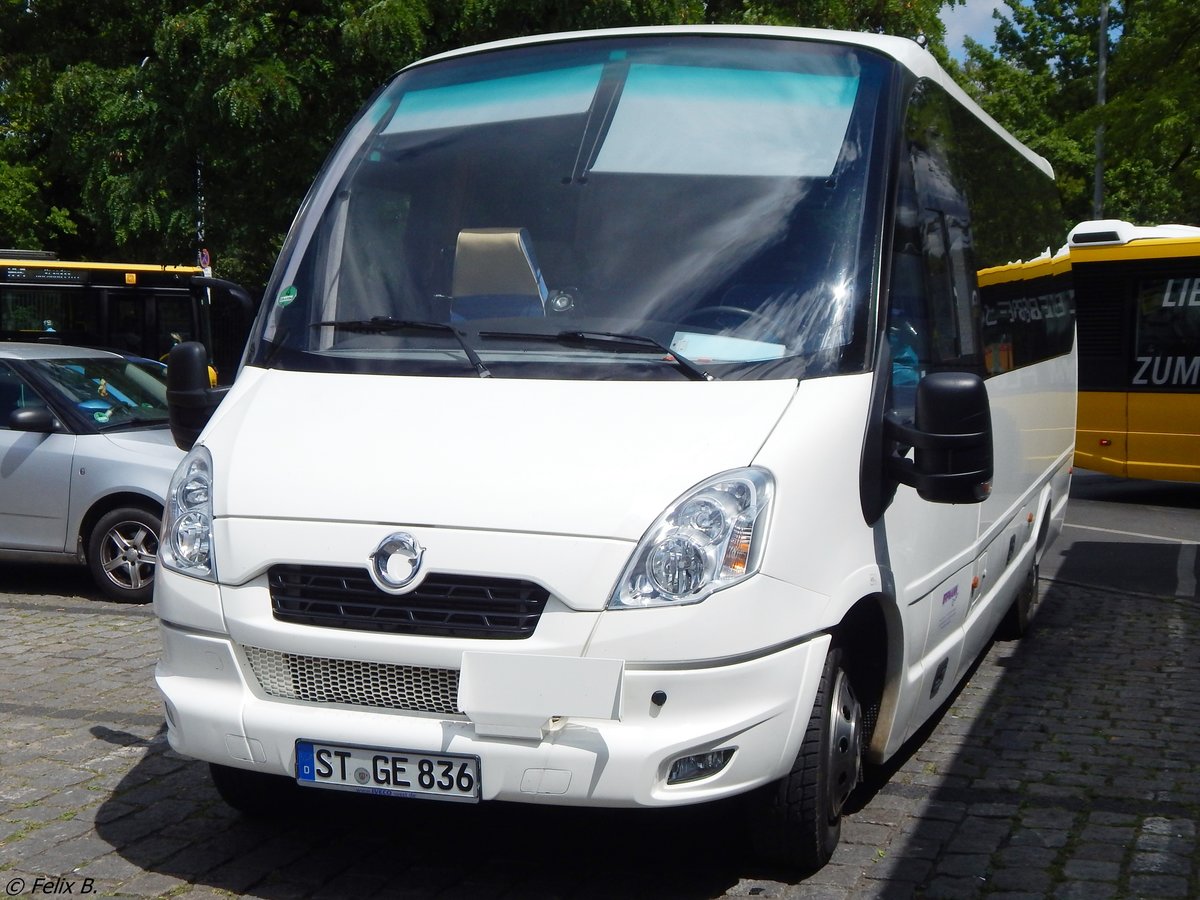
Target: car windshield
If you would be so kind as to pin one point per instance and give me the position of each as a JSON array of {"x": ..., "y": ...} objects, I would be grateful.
[
  {"x": 616, "y": 208},
  {"x": 111, "y": 393}
]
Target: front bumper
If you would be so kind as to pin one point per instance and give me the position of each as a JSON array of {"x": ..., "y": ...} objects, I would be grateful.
[
  {"x": 217, "y": 710},
  {"x": 592, "y": 708}
]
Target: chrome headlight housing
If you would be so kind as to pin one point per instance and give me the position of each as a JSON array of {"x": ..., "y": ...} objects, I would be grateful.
[
  {"x": 709, "y": 539},
  {"x": 186, "y": 544}
]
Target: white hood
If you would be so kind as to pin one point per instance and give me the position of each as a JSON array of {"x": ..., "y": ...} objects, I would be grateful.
[{"x": 599, "y": 459}]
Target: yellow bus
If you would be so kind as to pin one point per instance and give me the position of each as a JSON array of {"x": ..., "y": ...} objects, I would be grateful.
[
  {"x": 1137, "y": 293},
  {"x": 134, "y": 308},
  {"x": 1028, "y": 311}
]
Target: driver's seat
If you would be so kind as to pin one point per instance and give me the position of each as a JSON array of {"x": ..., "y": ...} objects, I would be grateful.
[{"x": 496, "y": 275}]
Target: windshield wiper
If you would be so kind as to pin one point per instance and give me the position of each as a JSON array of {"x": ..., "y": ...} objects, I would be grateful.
[
  {"x": 385, "y": 324},
  {"x": 607, "y": 340},
  {"x": 132, "y": 421}
]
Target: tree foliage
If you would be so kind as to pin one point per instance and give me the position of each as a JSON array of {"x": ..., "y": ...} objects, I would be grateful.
[
  {"x": 145, "y": 129},
  {"x": 1041, "y": 80},
  {"x": 1153, "y": 115}
]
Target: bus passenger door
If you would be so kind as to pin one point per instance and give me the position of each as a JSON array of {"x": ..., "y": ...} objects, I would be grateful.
[{"x": 930, "y": 547}]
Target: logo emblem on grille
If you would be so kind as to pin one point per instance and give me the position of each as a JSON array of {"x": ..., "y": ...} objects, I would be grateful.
[{"x": 396, "y": 562}]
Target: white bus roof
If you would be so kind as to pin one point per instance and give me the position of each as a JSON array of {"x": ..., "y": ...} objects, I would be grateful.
[
  {"x": 906, "y": 52},
  {"x": 1110, "y": 232}
]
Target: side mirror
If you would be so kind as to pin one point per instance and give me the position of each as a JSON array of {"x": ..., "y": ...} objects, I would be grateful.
[
  {"x": 33, "y": 418},
  {"x": 951, "y": 440},
  {"x": 190, "y": 400},
  {"x": 231, "y": 287}
]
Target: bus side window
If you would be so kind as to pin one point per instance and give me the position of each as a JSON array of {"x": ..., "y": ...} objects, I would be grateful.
[
  {"x": 908, "y": 314},
  {"x": 954, "y": 298},
  {"x": 126, "y": 315},
  {"x": 908, "y": 332},
  {"x": 173, "y": 322},
  {"x": 943, "y": 232}
]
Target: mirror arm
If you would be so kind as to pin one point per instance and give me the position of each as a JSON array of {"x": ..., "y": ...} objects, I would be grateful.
[
  {"x": 232, "y": 287},
  {"x": 905, "y": 433}
]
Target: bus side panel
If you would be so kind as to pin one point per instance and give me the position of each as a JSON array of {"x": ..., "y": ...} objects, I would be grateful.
[
  {"x": 1033, "y": 419},
  {"x": 1164, "y": 437},
  {"x": 1100, "y": 443}
]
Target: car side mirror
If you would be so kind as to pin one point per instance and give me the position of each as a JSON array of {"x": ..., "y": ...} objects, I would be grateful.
[
  {"x": 33, "y": 418},
  {"x": 951, "y": 439},
  {"x": 190, "y": 400},
  {"x": 232, "y": 288}
]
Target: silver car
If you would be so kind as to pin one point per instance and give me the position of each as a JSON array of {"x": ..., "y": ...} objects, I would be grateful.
[{"x": 85, "y": 459}]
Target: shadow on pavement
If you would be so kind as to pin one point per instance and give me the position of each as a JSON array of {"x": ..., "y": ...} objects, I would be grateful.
[
  {"x": 1148, "y": 544},
  {"x": 1159, "y": 570},
  {"x": 49, "y": 580},
  {"x": 165, "y": 817},
  {"x": 1066, "y": 766},
  {"x": 1173, "y": 494}
]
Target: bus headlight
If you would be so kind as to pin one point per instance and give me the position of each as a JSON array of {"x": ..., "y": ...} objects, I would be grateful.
[
  {"x": 710, "y": 538},
  {"x": 186, "y": 544}
]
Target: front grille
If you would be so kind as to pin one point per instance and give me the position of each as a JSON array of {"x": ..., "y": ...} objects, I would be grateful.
[
  {"x": 315, "y": 679},
  {"x": 443, "y": 605}
]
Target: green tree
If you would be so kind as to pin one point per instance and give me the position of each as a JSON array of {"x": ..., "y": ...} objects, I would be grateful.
[
  {"x": 1152, "y": 115},
  {"x": 128, "y": 128},
  {"x": 908, "y": 18},
  {"x": 1040, "y": 82},
  {"x": 26, "y": 221},
  {"x": 144, "y": 123}
]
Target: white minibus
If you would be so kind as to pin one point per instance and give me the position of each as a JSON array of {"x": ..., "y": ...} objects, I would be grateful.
[{"x": 634, "y": 418}]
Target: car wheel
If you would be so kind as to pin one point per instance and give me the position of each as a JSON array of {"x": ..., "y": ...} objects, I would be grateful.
[
  {"x": 797, "y": 821},
  {"x": 257, "y": 795},
  {"x": 121, "y": 553},
  {"x": 1015, "y": 623}
]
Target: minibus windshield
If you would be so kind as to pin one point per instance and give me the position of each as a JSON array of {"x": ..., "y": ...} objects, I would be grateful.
[{"x": 695, "y": 204}]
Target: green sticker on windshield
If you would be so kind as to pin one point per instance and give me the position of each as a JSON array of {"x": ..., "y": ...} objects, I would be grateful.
[{"x": 287, "y": 295}]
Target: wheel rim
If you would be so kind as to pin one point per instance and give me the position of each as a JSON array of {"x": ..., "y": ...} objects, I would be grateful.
[
  {"x": 843, "y": 761},
  {"x": 127, "y": 555}
]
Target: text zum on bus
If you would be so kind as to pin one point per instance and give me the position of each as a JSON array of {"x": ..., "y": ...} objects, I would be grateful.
[{"x": 1138, "y": 297}]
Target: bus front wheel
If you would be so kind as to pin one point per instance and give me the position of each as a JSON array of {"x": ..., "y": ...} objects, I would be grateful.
[{"x": 797, "y": 821}]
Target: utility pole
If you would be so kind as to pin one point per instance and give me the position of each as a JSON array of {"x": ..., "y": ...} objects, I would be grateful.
[{"x": 1101, "y": 74}]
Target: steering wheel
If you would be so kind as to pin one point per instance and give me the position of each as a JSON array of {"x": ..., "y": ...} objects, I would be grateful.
[{"x": 717, "y": 310}]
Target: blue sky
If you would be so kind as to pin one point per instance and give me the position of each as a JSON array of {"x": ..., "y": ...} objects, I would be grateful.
[{"x": 973, "y": 20}]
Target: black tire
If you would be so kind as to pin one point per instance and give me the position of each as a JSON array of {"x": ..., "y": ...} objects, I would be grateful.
[
  {"x": 121, "y": 552},
  {"x": 797, "y": 821},
  {"x": 256, "y": 795},
  {"x": 1015, "y": 623}
]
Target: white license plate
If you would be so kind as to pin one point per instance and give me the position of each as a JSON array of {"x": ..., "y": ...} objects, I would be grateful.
[{"x": 392, "y": 773}]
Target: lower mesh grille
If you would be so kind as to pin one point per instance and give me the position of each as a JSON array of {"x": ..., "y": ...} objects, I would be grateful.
[{"x": 315, "y": 679}]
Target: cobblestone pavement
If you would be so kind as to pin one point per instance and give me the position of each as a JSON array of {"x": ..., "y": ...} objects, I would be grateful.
[{"x": 1066, "y": 766}]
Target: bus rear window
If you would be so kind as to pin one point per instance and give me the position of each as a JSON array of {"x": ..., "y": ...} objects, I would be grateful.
[{"x": 1168, "y": 331}]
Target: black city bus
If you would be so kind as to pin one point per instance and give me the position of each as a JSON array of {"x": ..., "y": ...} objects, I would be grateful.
[{"x": 134, "y": 308}]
